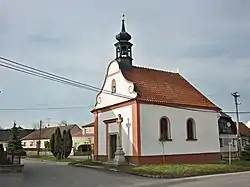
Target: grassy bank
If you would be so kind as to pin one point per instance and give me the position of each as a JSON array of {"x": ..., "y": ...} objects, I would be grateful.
[
  {"x": 52, "y": 158},
  {"x": 175, "y": 170}
]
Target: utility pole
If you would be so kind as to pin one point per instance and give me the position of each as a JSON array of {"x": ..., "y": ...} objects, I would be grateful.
[
  {"x": 236, "y": 96},
  {"x": 39, "y": 138}
]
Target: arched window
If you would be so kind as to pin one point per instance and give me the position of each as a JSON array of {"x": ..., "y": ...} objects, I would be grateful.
[
  {"x": 191, "y": 129},
  {"x": 113, "y": 86},
  {"x": 165, "y": 131}
]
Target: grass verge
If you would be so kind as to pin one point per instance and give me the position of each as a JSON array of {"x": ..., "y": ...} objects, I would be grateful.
[
  {"x": 52, "y": 158},
  {"x": 187, "y": 170},
  {"x": 175, "y": 170}
]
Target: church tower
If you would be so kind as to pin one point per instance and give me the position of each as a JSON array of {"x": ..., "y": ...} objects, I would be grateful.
[{"x": 123, "y": 48}]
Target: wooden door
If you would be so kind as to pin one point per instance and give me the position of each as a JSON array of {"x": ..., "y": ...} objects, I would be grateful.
[{"x": 112, "y": 147}]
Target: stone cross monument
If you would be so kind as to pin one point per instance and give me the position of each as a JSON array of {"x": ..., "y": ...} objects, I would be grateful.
[{"x": 119, "y": 154}]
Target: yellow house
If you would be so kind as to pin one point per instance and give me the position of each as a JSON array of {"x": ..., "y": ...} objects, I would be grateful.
[{"x": 83, "y": 139}]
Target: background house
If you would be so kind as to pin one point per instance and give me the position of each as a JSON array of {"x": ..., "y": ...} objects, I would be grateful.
[
  {"x": 30, "y": 141},
  {"x": 244, "y": 133},
  {"x": 84, "y": 140},
  {"x": 6, "y": 133},
  {"x": 228, "y": 133}
]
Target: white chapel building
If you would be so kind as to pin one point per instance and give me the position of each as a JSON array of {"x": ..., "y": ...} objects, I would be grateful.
[{"x": 165, "y": 118}]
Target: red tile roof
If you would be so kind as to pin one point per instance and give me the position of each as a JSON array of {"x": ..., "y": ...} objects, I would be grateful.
[
  {"x": 169, "y": 88},
  {"x": 88, "y": 125},
  {"x": 46, "y": 133},
  {"x": 78, "y": 134},
  {"x": 244, "y": 130}
]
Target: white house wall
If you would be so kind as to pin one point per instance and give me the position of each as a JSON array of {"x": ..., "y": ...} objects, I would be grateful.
[
  {"x": 206, "y": 131},
  {"x": 28, "y": 143},
  {"x": 123, "y": 87},
  {"x": 5, "y": 144},
  {"x": 126, "y": 113},
  {"x": 228, "y": 137}
]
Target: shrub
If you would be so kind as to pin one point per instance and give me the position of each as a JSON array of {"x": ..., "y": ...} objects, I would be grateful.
[
  {"x": 15, "y": 145},
  {"x": 61, "y": 145},
  {"x": 246, "y": 153}
]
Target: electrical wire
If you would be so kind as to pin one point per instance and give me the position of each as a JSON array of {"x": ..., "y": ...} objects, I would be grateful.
[
  {"x": 53, "y": 77},
  {"x": 47, "y": 108},
  {"x": 238, "y": 112},
  {"x": 56, "y": 78}
]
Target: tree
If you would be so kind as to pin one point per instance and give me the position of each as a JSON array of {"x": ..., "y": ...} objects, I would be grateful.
[
  {"x": 64, "y": 122},
  {"x": 61, "y": 145},
  {"x": 67, "y": 139},
  {"x": 35, "y": 125},
  {"x": 52, "y": 144},
  {"x": 15, "y": 145},
  {"x": 246, "y": 153},
  {"x": 46, "y": 146},
  {"x": 58, "y": 144}
]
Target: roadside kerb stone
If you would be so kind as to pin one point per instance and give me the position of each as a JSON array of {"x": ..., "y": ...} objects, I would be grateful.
[{"x": 12, "y": 168}]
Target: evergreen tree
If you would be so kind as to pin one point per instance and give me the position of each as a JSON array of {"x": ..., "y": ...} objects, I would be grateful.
[
  {"x": 67, "y": 139},
  {"x": 69, "y": 143},
  {"x": 52, "y": 144},
  {"x": 15, "y": 145},
  {"x": 58, "y": 144},
  {"x": 61, "y": 145}
]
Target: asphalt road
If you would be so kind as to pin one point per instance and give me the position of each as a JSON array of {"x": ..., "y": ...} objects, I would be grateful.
[{"x": 43, "y": 174}]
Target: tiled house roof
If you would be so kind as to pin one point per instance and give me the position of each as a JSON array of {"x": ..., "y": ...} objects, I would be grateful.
[
  {"x": 46, "y": 133},
  {"x": 223, "y": 114},
  {"x": 244, "y": 130},
  {"x": 88, "y": 125},
  {"x": 161, "y": 87},
  {"x": 6, "y": 133}
]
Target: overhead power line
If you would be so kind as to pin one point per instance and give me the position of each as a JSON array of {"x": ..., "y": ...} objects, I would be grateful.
[
  {"x": 16, "y": 66},
  {"x": 46, "y": 108}
]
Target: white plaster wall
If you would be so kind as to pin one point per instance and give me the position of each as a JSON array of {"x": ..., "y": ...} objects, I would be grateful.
[
  {"x": 206, "y": 131},
  {"x": 225, "y": 148},
  {"x": 123, "y": 87},
  {"x": 127, "y": 137},
  {"x": 34, "y": 143},
  {"x": 5, "y": 144}
]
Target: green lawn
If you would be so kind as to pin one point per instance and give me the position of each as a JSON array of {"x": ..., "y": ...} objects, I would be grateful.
[
  {"x": 183, "y": 170},
  {"x": 177, "y": 170}
]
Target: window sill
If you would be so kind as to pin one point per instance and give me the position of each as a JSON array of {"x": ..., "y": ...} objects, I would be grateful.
[
  {"x": 191, "y": 139},
  {"x": 165, "y": 140}
]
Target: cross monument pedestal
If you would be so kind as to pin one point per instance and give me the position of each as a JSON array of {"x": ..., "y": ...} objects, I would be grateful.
[{"x": 119, "y": 153}]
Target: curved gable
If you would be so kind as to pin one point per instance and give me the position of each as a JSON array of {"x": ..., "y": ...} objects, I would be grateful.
[{"x": 124, "y": 90}]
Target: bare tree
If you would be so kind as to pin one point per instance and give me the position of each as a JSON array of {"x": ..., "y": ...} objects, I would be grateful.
[
  {"x": 35, "y": 125},
  {"x": 64, "y": 122}
]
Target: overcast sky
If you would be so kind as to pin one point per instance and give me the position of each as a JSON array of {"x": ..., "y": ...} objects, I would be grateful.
[{"x": 207, "y": 40}]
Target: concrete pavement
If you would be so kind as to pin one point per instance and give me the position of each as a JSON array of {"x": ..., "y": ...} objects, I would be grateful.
[
  {"x": 49, "y": 174},
  {"x": 45, "y": 174}
]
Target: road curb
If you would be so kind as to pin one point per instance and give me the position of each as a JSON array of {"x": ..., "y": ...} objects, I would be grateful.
[{"x": 46, "y": 161}]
